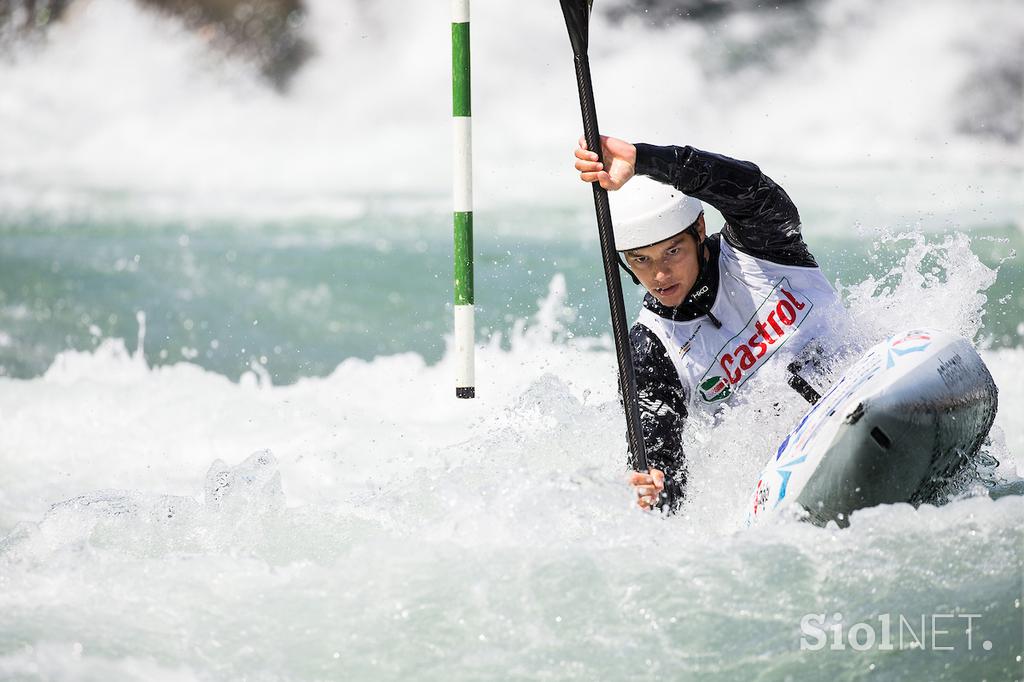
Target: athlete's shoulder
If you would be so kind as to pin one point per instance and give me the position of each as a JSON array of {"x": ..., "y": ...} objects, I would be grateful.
[{"x": 779, "y": 247}]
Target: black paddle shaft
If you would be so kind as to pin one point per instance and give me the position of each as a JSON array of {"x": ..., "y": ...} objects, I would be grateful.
[{"x": 577, "y": 15}]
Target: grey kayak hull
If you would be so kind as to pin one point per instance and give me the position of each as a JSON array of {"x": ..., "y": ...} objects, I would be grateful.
[{"x": 894, "y": 428}]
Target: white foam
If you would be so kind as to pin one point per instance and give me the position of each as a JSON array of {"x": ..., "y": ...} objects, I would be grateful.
[
  {"x": 104, "y": 419},
  {"x": 393, "y": 522}
]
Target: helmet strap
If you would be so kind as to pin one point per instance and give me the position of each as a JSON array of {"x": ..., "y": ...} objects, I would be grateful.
[
  {"x": 701, "y": 266},
  {"x": 622, "y": 264},
  {"x": 692, "y": 229}
]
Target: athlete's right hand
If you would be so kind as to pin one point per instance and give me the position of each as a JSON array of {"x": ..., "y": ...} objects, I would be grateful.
[
  {"x": 618, "y": 167},
  {"x": 648, "y": 487}
]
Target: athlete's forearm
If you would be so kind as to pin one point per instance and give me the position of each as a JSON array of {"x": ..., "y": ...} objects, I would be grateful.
[
  {"x": 662, "y": 406},
  {"x": 738, "y": 189},
  {"x": 761, "y": 217},
  {"x": 663, "y": 436}
]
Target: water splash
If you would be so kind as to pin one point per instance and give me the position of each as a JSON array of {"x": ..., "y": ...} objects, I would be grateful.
[{"x": 939, "y": 283}]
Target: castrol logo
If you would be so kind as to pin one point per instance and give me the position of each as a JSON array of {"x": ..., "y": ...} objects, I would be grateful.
[{"x": 775, "y": 321}]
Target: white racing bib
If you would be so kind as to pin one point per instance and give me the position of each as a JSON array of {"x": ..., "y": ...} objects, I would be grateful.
[{"x": 766, "y": 309}]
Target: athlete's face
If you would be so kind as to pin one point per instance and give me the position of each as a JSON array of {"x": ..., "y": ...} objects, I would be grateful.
[{"x": 669, "y": 268}]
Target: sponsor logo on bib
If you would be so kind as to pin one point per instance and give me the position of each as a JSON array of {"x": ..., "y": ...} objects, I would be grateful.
[
  {"x": 714, "y": 388},
  {"x": 685, "y": 348},
  {"x": 775, "y": 321}
]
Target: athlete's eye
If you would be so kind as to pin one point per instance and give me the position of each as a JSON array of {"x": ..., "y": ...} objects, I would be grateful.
[{"x": 673, "y": 251}]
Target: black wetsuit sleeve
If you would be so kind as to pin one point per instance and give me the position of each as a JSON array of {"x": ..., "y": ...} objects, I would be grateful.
[
  {"x": 761, "y": 219},
  {"x": 662, "y": 406}
]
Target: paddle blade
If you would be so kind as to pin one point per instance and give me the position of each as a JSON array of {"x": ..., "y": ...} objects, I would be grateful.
[{"x": 577, "y": 20}]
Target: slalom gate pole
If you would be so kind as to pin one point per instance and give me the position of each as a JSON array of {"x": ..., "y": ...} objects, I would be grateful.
[
  {"x": 577, "y": 20},
  {"x": 465, "y": 383}
]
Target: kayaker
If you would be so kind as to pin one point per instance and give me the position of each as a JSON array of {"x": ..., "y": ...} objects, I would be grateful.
[{"x": 717, "y": 307}]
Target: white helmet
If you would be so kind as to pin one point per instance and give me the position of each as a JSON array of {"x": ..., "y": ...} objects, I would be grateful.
[{"x": 649, "y": 212}]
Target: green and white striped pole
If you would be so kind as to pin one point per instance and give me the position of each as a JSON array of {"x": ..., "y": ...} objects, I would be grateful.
[{"x": 463, "y": 208}]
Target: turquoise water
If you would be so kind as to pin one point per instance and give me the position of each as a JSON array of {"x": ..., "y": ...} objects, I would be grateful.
[{"x": 300, "y": 297}]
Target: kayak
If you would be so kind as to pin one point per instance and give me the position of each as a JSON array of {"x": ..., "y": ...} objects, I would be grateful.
[{"x": 895, "y": 427}]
